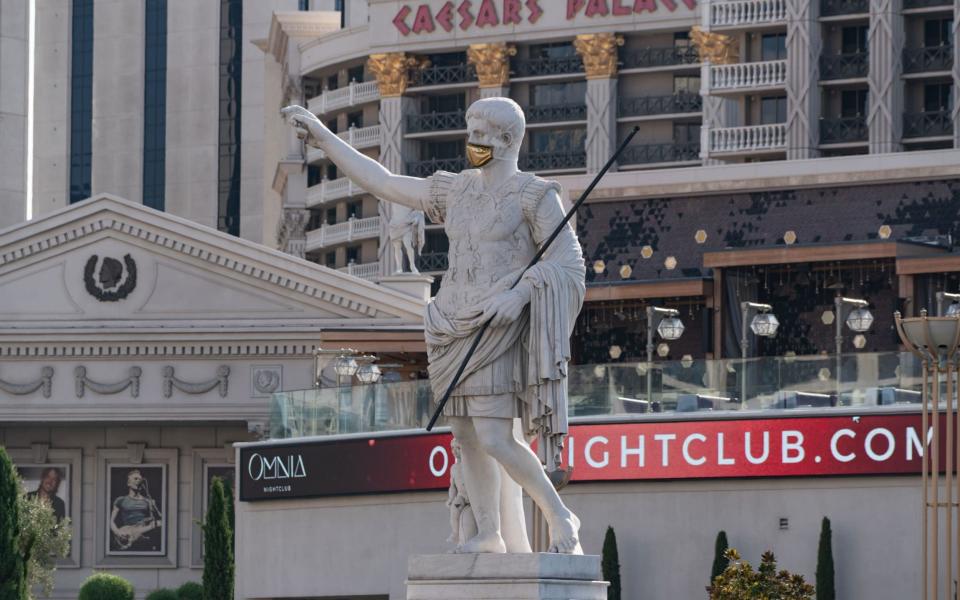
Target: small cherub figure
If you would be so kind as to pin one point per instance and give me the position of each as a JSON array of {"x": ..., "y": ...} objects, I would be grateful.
[{"x": 463, "y": 525}]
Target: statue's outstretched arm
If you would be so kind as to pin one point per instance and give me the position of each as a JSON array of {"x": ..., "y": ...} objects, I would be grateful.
[{"x": 361, "y": 169}]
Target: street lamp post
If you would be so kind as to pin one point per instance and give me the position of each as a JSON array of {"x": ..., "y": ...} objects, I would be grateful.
[
  {"x": 860, "y": 319},
  {"x": 764, "y": 324},
  {"x": 935, "y": 341},
  {"x": 349, "y": 363},
  {"x": 666, "y": 321}
]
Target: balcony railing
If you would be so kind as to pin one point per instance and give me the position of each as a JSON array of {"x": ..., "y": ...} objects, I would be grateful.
[
  {"x": 660, "y": 105},
  {"x": 844, "y": 66},
  {"x": 927, "y": 124},
  {"x": 930, "y": 58},
  {"x": 642, "y": 154},
  {"x": 443, "y": 75},
  {"x": 539, "y": 67},
  {"x": 355, "y": 93},
  {"x": 648, "y": 58},
  {"x": 746, "y": 76},
  {"x": 743, "y": 13},
  {"x": 358, "y": 137},
  {"x": 432, "y": 261},
  {"x": 437, "y": 121},
  {"x": 338, "y": 233},
  {"x": 843, "y": 129},
  {"x": 327, "y": 191},
  {"x": 553, "y": 113},
  {"x": 834, "y": 8},
  {"x": 362, "y": 270},
  {"x": 426, "y": 168},
  {"x": 926, "y": 3},
  {"x": 553, "y": 161},
  {"x": 752, "y": 138}
]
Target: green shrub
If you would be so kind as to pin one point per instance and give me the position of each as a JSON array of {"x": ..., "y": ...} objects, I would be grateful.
[
  {"x": 104, "y": 586},
  {"x": 611, "y": 564},
  {"x": 218, "y": 546},
  {"x": 13, "y": 568},
  {"x": 741, "y": 582},
  {"x": 162, "y": 594},
  {"x": 720, "y": 561},
  {"x": 191, "y": 590}
]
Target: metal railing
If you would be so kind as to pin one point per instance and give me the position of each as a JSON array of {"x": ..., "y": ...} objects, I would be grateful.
[
  {"x": 844, "y": 66},
  {"x": 927, "y": 124},
  {"x": 358, "y": 137},
  {"x": 553, "y": 161},
  {"x": 737, "y": 13},
  {"x": 348, "y": 231},
  {"x": 747, "y": 139},
  {"x": 426, "y": 168},
  {"x": 660, "y": 105},
  {"x": 552, "y": 113},
  {"x": 442, "y": 75},
  {"x": 641, "y": 154},
  {"x": 327, "y": 191},
  {"x": 648, "y": 58},
  {"x": 834, "y": 8},
  {"x": 843, "y": 129},
  {"x": 362, "y": 270},
  {"x": 929, "y": 58},
  {"x": 926, "y": 3},
  {"x": 437, "y": 121},
  {"x": 432, "y": 261},
  {"x": 752, "y": 75},
  {"x": 539, "y": 67},
  {"x": 354, "y": 93}
]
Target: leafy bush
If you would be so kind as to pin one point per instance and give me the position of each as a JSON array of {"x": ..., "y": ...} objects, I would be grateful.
[
  {"x": 191, "y": 590},
  {"x": 43, "y": 539},
  {"x": 740, "y": 582},
  {"x": 162, "y": 594},
  {"x": 104, "y": 586}
]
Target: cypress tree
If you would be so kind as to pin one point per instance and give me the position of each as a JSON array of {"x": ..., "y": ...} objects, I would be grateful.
[
  {"x": 825, "y": 578},
  {"x": 218, "y": 548},
  {"x": 13, "y": 566},
  {"x": 720, "y": 560},
  {"x": 611, "y": 564}
]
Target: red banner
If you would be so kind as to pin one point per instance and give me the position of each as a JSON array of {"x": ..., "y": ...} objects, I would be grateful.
[{"x": 794, "y": 447}]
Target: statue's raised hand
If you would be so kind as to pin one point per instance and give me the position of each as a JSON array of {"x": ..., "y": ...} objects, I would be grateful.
[{"x": 306, "y": 124}]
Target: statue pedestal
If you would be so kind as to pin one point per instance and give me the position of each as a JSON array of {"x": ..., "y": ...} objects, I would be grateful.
[
  {"x": 536, "y": 576},
  {"x": 410, "y": 284}
]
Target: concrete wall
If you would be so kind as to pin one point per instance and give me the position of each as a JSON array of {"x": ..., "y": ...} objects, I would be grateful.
[
  {"x": 14, "y": 50},
  {"x": 358, "y": 545}
]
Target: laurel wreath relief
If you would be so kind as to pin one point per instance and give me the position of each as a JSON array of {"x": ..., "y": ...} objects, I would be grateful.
[{"x": 115, "y": 279}]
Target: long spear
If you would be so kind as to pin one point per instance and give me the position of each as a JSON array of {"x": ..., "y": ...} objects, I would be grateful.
[{"x": 536, "y": 258}]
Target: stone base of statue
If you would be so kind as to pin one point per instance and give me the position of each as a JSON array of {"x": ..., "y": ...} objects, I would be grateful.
[
  {"x": 535, "y": 576},
  {"x": 411, "y": 284}
]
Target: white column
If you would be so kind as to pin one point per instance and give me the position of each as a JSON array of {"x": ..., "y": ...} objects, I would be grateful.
[
  {"x": 804, "y": 45},
  {"x": 14, "y": 50},
  {"x": 885, "y": 114},
  {"x": 601, "y": 122},
  {"x": 718, "y": 112},
  {"x": 294, "y": 217},
  {"x": 395, "y": 152}
]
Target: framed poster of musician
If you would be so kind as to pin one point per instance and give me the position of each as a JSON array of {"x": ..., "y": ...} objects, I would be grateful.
[
  {"x": 50, "y": 483},
  {"x": 135, "y": 525}
]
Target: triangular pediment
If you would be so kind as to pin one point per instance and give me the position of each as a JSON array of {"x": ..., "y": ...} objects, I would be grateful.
[{"x": 110, "y": 260}]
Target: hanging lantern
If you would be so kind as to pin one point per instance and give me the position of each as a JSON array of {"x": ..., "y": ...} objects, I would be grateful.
[
  {"x": 687, "y": 361},
  {"x": 670, "y": 328},
  {"x": 765, "y": 324},
  {"x": 368, "y": 373},
  {"x": 953, "y": 310},
  {"x": 860, "y": 319},
  {"x": 599, "y": 266},
  {"x": 663, "y": 349},
  {"x": 346, "y": 366},
  {"x": 859, "y": 341},
  {"x": 615, "y": 352}
]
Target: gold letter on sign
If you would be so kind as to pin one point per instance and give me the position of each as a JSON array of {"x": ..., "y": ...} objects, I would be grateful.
[
  {"x": 390, "y": 70},
  {"x": 599, "y": 53},
  {"x": 492, "y": 62},
  {"x": 715, "y": 48}
]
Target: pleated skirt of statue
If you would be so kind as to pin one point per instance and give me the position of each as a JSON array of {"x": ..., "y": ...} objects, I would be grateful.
[{"x": 493, "y": 390}]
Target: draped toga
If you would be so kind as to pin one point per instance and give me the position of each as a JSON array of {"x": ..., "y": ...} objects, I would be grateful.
[{"x": 519, "y": 370}]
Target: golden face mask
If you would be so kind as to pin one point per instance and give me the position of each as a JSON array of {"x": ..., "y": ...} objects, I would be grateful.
[{"x": 478, "y": 155}]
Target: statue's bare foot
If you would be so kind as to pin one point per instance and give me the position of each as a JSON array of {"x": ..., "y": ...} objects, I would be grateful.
[
  {"x": 490, "y": 543},
  {"x": 564, "y": 535}
]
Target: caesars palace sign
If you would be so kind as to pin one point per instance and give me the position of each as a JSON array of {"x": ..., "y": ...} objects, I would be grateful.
[
  {"x": 467, "y": 14},
  {"x": 785, "y": 447}
]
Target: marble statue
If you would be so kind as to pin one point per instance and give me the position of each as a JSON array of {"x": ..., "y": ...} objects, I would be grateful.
[
  {"x": 407, "y": 235},
  {"x": 463, "y": 525},
  {"x": 495, "y": 217}
]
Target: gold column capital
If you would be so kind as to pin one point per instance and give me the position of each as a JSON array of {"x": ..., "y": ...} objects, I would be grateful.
[
  {"x": 715, "y": 48},
  {"x": 599, "y": 53},
  {"x": 492, "y": 62},
  {"x": 390, "y": 69}
]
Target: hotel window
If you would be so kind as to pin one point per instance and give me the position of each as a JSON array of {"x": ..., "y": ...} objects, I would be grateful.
[
  {"x": 937, "y": 32},
  {"x": 443, "y": 103},
  {"x": 773, "y": 46},
  {"x": 331, "y": 217},
  {"x": 773, "y": 110},
  {"x": 449, "y": 149},
  {"x": 355, "y": 210},
  {"x": 937, "y": 97},
  {"x": 330, "y": 259},
  {"x": 231, "y": 61},
  {"x": 303, "y": 4},
  {"x": 314, "y": 175},
  {"x": 571, "y": 92},
  {"x": 681, "y": 39},
  {"x": 332, "y": 125},
  {"x": 333, "y": 82},
  {"x": 686, "y": 84},
  {"x": 331, "y": 171},
  {"x": 686, "y": 133},
  {"x": 355, "y": 119},
  {"x": 338, "y": 5},
  {"x": 81, "y": 100},
  {"x": 553, "y": 50},
  {"x": 853, "y": 103},
  {"x": 853, "y": 40},
  {"x": 355, "y": 73},
  {"x": 154, "y": 103},
  {"x": 563, "y": 140},
  {"x": 353, "y": 254}
]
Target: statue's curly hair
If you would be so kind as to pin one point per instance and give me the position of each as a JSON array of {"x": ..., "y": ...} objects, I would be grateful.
[{"x": 503, "y": 113}]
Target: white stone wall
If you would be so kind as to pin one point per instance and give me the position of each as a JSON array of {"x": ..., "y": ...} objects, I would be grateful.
[{"x": 14, "y": 48}]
